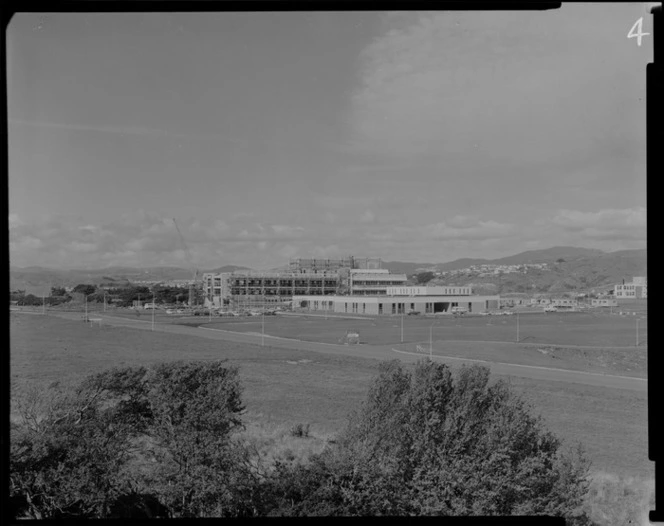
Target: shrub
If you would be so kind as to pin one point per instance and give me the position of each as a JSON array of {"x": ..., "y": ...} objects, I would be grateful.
[
  {"x": 74, "y": 453},
  {"x": 300, "y": 431},
  {"x": 430, "y": 443}
]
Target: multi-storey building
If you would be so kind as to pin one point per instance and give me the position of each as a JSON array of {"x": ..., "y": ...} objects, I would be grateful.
[
  {"x": 373, "y": 282},
  {"x": 637, "y": 289},
  {"x": 315, "y": 277}
]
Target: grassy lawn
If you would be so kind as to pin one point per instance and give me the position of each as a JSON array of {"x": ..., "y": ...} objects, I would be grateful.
[
  {"x": 285, "y": 387},
  {"x": 623, "y": 362},
  {"x": 576, "y": 329}
]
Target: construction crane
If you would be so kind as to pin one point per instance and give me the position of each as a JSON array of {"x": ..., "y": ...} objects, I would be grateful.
[{"x": 192, "y": 267}]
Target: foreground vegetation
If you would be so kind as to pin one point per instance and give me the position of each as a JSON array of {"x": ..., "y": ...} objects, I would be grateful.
[{"x": 167, "y": 441}]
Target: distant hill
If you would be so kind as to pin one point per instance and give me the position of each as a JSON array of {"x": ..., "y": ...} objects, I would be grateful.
[
  {"x": 227, "y": 268},
  {"x": 33, "y": 278},
  {"x": 570, "y": 268},
  {"x": 401, "y": 267}
]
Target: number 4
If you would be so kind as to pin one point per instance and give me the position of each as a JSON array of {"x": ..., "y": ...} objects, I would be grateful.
[{"x": 639, "y": 34}]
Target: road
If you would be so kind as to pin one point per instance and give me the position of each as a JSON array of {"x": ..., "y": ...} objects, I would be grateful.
[{"x": 378, "y": 352}]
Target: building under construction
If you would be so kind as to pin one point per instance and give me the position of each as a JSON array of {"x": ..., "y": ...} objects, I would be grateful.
[
  {"x": 316, "y": 265},
  {"x": 304, "y": 277}
]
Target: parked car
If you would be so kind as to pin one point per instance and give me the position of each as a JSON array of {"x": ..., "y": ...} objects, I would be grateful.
[{"x": 413, "y": 313}]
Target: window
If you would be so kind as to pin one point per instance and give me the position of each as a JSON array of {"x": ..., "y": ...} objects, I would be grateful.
[
  {"x": 412, "y": 306},
  {"x": 364, "y": 308},
  {"x": 345, "y": 307},
  {"x": 394, "y": 308},
  {"x": 380, "y": 308}
]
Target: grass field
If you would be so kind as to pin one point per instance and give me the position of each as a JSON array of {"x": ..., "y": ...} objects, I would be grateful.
[
  {"x": 284, "y": 387},
  {"x": 572, "y": 329}
]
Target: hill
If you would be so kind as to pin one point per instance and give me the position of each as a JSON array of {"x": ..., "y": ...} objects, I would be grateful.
[
  {"x": 36, "y": 278},
  {"x": 567, "y": 269},
  {"x": 562, "y": 269}
]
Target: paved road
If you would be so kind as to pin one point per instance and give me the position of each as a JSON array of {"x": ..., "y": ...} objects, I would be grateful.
[{"x": 379, "y": 352}]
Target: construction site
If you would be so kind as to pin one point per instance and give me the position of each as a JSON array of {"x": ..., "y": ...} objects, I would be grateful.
[{"x": 303, "y": 277}]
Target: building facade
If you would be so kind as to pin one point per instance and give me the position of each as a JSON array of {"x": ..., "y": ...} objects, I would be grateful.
[
  {"x": 637, "y": 289},
  {"x": 373, "y": 282},
  {"x": 429, "y": 291},
  {"x": 387, "y": 305},
  {"x": 603, "y": 302}
]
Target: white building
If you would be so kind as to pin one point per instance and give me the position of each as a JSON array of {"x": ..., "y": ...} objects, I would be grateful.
[
  {"x": 603, "y": 302},
  {"x": 373, "y": 282},
  {"x": 637, "y": 289},
  {"x": 384, "y": 304},
  {"x": 428, "y": 291}
]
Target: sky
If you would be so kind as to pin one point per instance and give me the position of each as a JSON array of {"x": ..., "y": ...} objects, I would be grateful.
[{"x": 409, "y": 136}]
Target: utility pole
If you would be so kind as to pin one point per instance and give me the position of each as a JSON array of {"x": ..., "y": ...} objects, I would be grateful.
[
  {"x": 153, "y": 309},
  {"x": 43, "y": 303},
  {"x": 637, "y": 332},
  {"x": 104, "y": 301},
  {"x": 431, "y": 340},
  {"x": 263, "y": 328},
  {"x": 402, "y": 327},
  {"x": 517, "y": 327},
  {"x": 86, "y": 307}
]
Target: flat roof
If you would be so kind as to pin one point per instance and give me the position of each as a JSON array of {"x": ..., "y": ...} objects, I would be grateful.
[{"x": 395, "y": 299}]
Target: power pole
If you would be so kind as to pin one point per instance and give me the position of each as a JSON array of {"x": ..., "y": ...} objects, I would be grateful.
[
  {"x": 517, "y": 327},
  {"x": 402, "y": 327},
  {"x": 153, "y": 309}
]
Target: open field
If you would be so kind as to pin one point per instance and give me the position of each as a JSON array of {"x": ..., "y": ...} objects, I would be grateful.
[
  {"x": 284, "y": 387},
  {"x": 572, "y": 329}
]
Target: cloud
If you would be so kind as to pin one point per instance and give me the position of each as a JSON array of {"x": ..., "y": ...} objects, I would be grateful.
[
  {"x": 367, "y": 217},
  {"x": 492, "y": 85},
  {"x": 617, "y": 224},
  {"x": 465, "y": 228},
  {"x": 287, "y": 231}
]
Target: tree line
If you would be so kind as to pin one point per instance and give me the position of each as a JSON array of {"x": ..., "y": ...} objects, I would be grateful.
[
  {"x": 120, "y": 296},
  {"x": 162, "y": 441}
]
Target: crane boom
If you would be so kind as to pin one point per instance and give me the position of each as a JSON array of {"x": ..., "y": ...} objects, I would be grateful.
[{"x": 192, "y": 267}]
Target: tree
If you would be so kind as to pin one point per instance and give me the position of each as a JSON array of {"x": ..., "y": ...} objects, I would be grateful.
[
  {"x": 67, "y": 453},
  {"x": 84, "y": 289},
  {"x": 195, "y": 408},
  {"x": 58, "y": 291},
  {"x": 83, "y": 452},
  {"x": 431, "y": 443},
  {"x": 30, "y": 300},
  {"x": 424, "y": 277}
]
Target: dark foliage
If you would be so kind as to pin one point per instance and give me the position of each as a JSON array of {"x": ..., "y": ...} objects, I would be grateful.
[{"x": 429, "y": 443}]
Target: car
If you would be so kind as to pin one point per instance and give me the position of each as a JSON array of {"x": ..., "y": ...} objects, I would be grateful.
[{"x": 414, "y": 313}]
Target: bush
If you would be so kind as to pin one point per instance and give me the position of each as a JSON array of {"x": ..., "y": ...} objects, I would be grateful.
[
  {"x": 428, "y": 443},
  {"x": 77, "y": 453},
  {"x": 300, "y": 431}
]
